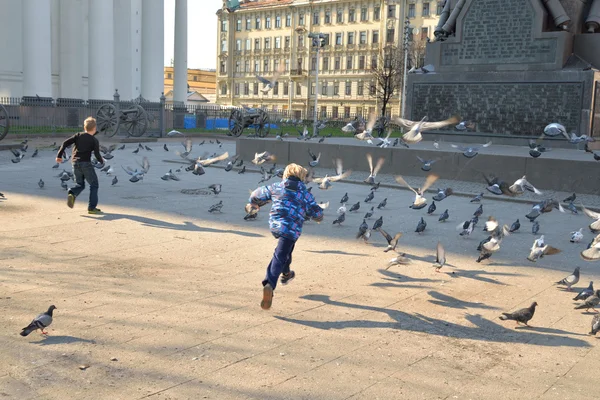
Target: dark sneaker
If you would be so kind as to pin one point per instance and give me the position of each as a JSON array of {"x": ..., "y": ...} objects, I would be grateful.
[
  {"x": 95, "y": 211},
  {"x": 70, "y": 200},
  {"x": 267, "y": 299},
  {"x": 286, "y": 278}
]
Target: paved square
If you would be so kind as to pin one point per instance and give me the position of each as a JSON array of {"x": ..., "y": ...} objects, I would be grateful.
[{"x": 172, "y": 293}]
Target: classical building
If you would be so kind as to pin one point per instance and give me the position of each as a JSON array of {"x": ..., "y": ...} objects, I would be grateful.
[
  {"x": 82, "y": 49},
  {"x": 262, "y": 36},
  {"x": 202, "y": 85}
]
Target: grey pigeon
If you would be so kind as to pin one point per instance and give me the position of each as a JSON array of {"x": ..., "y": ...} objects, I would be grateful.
[
  {"x": 55, "y": 165},
  {"x": 362, "y": 229},
  {"x": 479, "y": 211},
  {"x": 378, "y": 223},
  {"x": 382, "y": 204},
  {"x": 121, "y": 147},
  {"x": 535, "y": 227},
  {"x": 595, "y": 324},
  {"x": 314, "y": 159},
  {"x": 421, "y": 226},
  {"x": 344, "y": 199},
  {"x": 570, "y": 280},
  {"x": 114, "y": 181},
  {"x": 426, "y": 164},
  {"x": 440, "y": 258},
  {"x": 585, "y": 293},
  {"x": 369, "y": 197},
  {"x": 216, "y": 207},
  {"x": 340, "y": 219},
  {"x": 442, "y": 194},
  {"x": 215, "y": 188},
  {"x": 431, "y": 208},
  {"x": 63, "y": 185},
  {"x": 400, "y": 259},
  {"x": 35, "y": 153},
  {"x": 515, "y": 226},
  {"x": 467, "y": 227},
  {"x": 477, "y": 199},
  {"x": 229, "y": 166},
  {"x": 355, "y": 207},
  {"x": 165, "y": 147},
  {"x": 140, "y": 146},
  {"x": 591, "y": 302},
  {"x": 40, "y": 322},
  {"x": 521, "y": 316},
  {"x": 148, "y": 148},
  {"x": 136, "y": 150},
  {"x": 444, "y": 216},
  {"x": 570, "y": 199},
  {"x": 241, "y": 171},
  {"x": 41, "y": 184},
  {"x": 392, "y": 241},
  {"x": 369, "y": 213}
]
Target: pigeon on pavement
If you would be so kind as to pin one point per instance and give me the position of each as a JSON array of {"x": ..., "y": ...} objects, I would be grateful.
[
  {"x": 440, "y": 259},
  {"x": 570, "y": 280},
  {"x": 477, "y": 199},
  {"x": 515, "y": 226},
  {"x": 40, "y": 322},
  {"x": 577, "y": 236},
  {"x": 382, "y": 204},
  {"x": 431, "y": 208},
  {"x": 444, "y": 216},
  {"x": 591, "y": 302},
  {"x": 585, "y": 293},
  {"x": 595, "y": 324},
  {"x": 421, "y": 226},
  {"x": 340, "y": 219},
  {"x": 522, "y": 316}
]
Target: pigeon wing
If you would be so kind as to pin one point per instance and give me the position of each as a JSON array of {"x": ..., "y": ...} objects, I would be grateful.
[
  {"x": 425, "y": 126},
  {"x": 428, "y": 182}
]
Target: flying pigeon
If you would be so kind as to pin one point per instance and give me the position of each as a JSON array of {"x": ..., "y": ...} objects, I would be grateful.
[
  {"x": 592, "y": 253},
  {"x": 373, "y": 170},
  {"x": 471, "y": 151},
  {"x": 426, "y": 164},
  {"x": 594, "y": 226},
  {"x": 555, "y": 129},
  {"x": 270, "y": 84},
  {"x": 591, "y": 302},
  {"x": 416, "y": 127},
  {"x": 440, "y": 258},
  {"x": 521, "y": 185},
  {"x": 420, "y": 201},
  {"x": 392, "y": 241},
  {"x": 400, "y": 259},
  {"x": 521, "y": 316},
  {"x": 40, "y": 322},
  {"x": 325, "y": 182},
  {"x": 314, "y": 159},
  {"x": 585, "y": 293},
  {"x": 540, "y": 249}
]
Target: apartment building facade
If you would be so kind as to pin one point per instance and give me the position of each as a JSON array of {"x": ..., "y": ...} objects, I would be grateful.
[{"x": 262, "y": 36}]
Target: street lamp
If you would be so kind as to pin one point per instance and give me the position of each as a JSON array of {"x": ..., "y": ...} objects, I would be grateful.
[
  {"x": 406, "y": 31},
  {"x": 318, "y": 41}
]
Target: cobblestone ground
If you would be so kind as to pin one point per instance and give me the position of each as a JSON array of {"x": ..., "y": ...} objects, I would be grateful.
[{"x": 157, "y": 298}]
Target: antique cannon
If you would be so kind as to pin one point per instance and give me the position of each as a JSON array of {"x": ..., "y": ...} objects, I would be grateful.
[
  {"x": 240, "y": 119},
  {"x": 135, "y": 119},
  {"x": 4, "y": 122}
]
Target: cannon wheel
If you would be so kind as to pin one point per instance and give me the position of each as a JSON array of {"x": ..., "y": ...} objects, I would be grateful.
[
  {"x": 4, "y": 122},
  {"x": 136, "y": 122},
  {"x": 236, "y": 123},
  {"x": 107, "y": 119},
  {"x": 263, "y": 123}
]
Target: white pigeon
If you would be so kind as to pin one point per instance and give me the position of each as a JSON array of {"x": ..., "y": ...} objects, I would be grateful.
[
  {"x": 521, "y": 185},
  {"x": 342, "y": 209},
  {"x": 577, "y": 236},
  {"x": 416, "y": 127}
]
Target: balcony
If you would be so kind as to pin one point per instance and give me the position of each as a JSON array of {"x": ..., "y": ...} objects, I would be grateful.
[{"x": 299, "y": 72}]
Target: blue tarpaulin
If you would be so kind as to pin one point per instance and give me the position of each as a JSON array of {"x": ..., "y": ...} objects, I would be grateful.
[{"x": 223, "y": 123}]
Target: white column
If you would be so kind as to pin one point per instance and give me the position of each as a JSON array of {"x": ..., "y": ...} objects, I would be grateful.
[
  {"x": 101, "y": 78},
  {"x": 153, "y": 49},
  {"x": 180, "y": 67},
  {"x": 37, "y": 47},
  {"x": 71, "y": 46}
]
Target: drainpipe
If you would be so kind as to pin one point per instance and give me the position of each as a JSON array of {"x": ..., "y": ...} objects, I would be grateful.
[
  {"x": 592, "y": 23},
  {"x": 450, "y": 24},
  {"x": 443, "y": 18},
  {"x": 561, "y": 19}
]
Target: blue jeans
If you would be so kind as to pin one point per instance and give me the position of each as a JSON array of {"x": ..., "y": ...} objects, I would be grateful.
[
  {"x": 280, "y": 263},
  {"x": 84, "y": 171}
]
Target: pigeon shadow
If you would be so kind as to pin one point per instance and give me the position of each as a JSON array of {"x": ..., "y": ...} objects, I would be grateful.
[
  {"x": 480, "y": 329},
  {"x": 451, "y": 302},
  {"x": 401, "y": 281},
  {"x": 156, "y": 223},
  {"x": 49, "y": 340},
  {"x": 548, "y": 330},
  {"x": 478, "y": 275},
  {"x": 342, "y": 253}
]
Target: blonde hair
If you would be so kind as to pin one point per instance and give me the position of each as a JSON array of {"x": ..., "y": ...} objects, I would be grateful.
[
  {"x": 295, "y": 170},
  {"x": 89, "y": 124}
]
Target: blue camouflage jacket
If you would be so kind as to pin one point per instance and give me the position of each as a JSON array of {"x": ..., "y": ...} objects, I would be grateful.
[{"x": 292, "y": 204}]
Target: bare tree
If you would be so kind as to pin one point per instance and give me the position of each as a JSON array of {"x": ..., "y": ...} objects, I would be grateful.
[
  {"x": 388, "y": 75},
  {"x": 416, "y": 53}
]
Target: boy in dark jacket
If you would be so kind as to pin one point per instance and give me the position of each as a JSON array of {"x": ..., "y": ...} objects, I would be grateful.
[{"x": 292, "y": 204}]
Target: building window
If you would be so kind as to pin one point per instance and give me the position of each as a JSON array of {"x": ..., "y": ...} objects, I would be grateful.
[
  {"x": 248, "y": 44},
  {"x": 267, "y": 43},
  {"x": 339, "y": 16},
  {"x": 278, "y": 42},
  {"x": 346, "y": 112},
  {"x": 374, "y": 62},
  {"x": 246, "y": 89},
  {"x": 247, "y": 66},
  {"x": 169, "y": 76},
  {"x": 323, "y": 111},
  {"x": 349, "y": 60},
  {"x": 276, "y": 89},
  {"x": 325, "y": 63},
  {"x": 223, "y": 46},
  {"x": 411, "y": 10},
  {"x": 351, "y": 15},
  {"x": 334, "y": 112},
  {"x": 316, "y": 18},
  {"x": 286, "y": 89},
  {"x": 311, "y": 111},
  {"x": 238, "y": 44},
  {"x": 298, "y": 89},
  {"x": 300, "y": 41},
  {"x": 288, "y": 20},
  {"x": 350, "y": 37},
  {"x": 328, "y": 17},
  {"x": 287, "y": 42},
  {"x": 266, "y": 65},
  {"x": 348, "y": 88},
  {"x": 324, "y": 89},
  {"x": 223, "y": 68},
  {"x": 224, "y": 26},
  {"x": 336, "y": 89},
  {"x": 268, "y": 23},
  {"x": 424, "y": 33},
  {"x": 337, "y": 64},
  {"x": 375, "y": 37},
  {"x": 361, "y": 88},
  {"x": 224, "y": 89},
  {"x": 301, "y": 19},
  {"x": 338, "y": 39},
  {"x": 361, "y": 62},
  {"x": 387, "y": 61},
  {"x": 275, "y": 65},
  {"x": 278, "y": 21},
  {"x": 372, "y": 89},
  {"x": 392, "y": 11},
  {"x": 256, "y": 66},
  {"x": 256, "y": 44},
  {"x": 238, "y": 66},
  {"x": 287, "y": 65},
  {"x": 255, "y": 91},
  {"x": 376, "y": 13},
  {"x": 237, "y": 89},
  {"x": 238, "y": 25},
  {"x": 440, "y": 7},
  {"x": 363, "y": 37},
  {"x": 313, "y": 63},
  {"x": 364, "y": 14},
  {"x": 257, "y": 23},
  {"x": 390, "y": 35},
  {"x": 426, "y": 9},
  {"x": 312, "y": 89}
]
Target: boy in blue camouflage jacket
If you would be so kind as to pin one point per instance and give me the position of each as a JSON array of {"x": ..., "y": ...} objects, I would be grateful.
[{"x": 292, "y": 204}]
